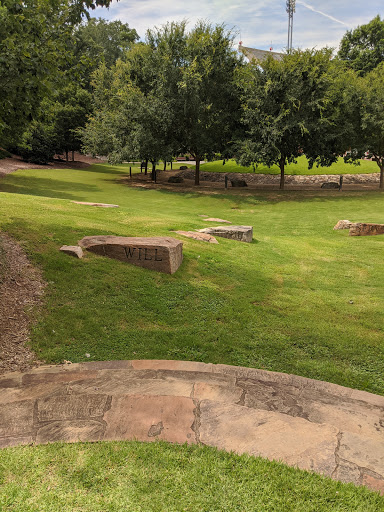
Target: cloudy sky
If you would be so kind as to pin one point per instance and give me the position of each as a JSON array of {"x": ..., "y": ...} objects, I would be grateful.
[{"x": 258, "y": 23}]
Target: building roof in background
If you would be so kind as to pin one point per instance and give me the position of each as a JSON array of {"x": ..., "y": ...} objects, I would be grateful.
[{"x": 254, "y": 54}]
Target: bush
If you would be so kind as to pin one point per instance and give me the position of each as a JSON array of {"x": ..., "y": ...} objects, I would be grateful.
[{"x": 39, "y": 145}]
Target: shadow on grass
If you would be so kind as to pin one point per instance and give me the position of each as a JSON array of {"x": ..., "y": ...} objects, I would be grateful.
[{"x": 45, "y": 187}]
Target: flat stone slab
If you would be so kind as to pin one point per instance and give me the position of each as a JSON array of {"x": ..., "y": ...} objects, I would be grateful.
[
  {"x": 202, "y": 237},
  {"x": 343, "y": 224},
  {"x": 239, "y": 233},
  {"x": 213, "y": 219},
  {"x": 317, "y": 426},
  {"x": 100, "y": 205},
  {"x": 366, "y": 229},
  {"x": 72, "y": 250},
  {"x": 163, "y": 254}
]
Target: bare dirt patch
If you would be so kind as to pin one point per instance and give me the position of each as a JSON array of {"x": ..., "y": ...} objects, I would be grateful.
[{"x": 21, "y": 290}]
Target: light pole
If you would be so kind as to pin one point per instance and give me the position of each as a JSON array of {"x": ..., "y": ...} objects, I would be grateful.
[{"x": 290, "y": 7}]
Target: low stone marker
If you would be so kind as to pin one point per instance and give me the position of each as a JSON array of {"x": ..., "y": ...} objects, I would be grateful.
[
  {"x": 163, "y": 254},
  {"x": 72, "y": 250},
  {"x": 100, "y": 205},
  {"x": 202, "y": 237},
  {"x": 213, "y": 219},
  {"x": 344, "y": 224},
  {"x": 366, "y": 229},
  {"x": 239, "y": 233}
]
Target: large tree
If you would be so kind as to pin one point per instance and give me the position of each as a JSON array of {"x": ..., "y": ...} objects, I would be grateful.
[
  {"x": 363, "y": 47},
  {"x": 293, "y": 107}
]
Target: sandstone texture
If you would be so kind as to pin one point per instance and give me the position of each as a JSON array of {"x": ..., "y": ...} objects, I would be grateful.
[
  {"x": 366, "y": 229},
  {"x": 72, "y": 250},
  {"x": 313, "y": 425},
  {"x": 343, "y": 224},
  {"x": 163, "y": 254},
  {"x": 100, "y": 205},
  {"x": 239, "y": 233},
  {"x": 202, "y": 237}
]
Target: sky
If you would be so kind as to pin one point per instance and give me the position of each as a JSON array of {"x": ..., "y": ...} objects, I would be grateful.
[{"x": 257, "y": 23}]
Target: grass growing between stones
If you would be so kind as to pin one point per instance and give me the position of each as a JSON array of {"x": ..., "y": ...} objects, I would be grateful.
[
  {"x": 301, "y": 298},
  {"x": 300, "y": 168},
  {"x": 158, "y": 476}
]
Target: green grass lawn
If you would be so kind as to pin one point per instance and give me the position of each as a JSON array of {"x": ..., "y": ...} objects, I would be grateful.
[
  {"x": 159, "y": 477},
  {"x": 301, "y": 168},
  {"x": 301, "y": 298}
]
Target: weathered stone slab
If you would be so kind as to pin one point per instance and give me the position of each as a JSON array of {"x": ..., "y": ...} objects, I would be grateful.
[
  {"x": 71, "y": 407},
  {"x": 295, "y": 441},
  {"x": 147, "y": 418},
  {"x": 238, "y": 183},
  {"x": 16, "y": 418},
  {"x": 331, "y": 185},
  {"x": 72, "y": 250},
  {"x": 100, "y": 205},
  {"x": 366, "y": 229},
  {"x": 239, "y": 233},
  {"x": 214, "y": 219},
  {"x": 163, "y": 254},
  {"x": 343, "y": 224},
  {"x": 202, "y": 237},
  {"x": 71, "y": 431}
]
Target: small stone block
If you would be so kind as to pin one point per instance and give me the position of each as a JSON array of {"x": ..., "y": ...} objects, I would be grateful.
[
  {"x": 163, "y": 254},
  {"x": 100, "y": 205},
  {"x": 202, "y": 237},
  {"x": 213, "y": 219},
  {"x": 343, "y": 224},
  {"x": 239, "y": 233},
  {"x": 73, "y": 250},
  {"x": 365, "y": 229}
]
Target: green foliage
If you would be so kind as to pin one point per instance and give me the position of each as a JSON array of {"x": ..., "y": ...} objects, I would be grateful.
[
  {"x": 363, "y": 47},
  {"x": 38, "y": 144},
  {"x": 291, "y": 107},
  {"x": 154, "y": 477}
]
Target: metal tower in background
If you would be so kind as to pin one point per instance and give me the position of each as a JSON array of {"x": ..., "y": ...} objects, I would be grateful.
[{"x": 291, "y": 4}]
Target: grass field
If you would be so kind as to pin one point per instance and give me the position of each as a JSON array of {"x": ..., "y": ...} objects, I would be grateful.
[
  {"x": 159, "y": 477},
  {"x": 301, "y": 298},
  {"x": 301, "y": 168}
]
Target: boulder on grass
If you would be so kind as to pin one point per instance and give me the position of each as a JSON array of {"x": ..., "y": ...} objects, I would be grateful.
[
  {"x": 239, "y": 233},
  {"x": 343, "y": 224},
  {"x": 202, "y": 237},
  {"x": 163, "y": 254},
  {"x": 72, "y": 250},
  {"x": 366, "y": 229},
  {"x": 175, "y": 179},
  {"x": 238, "y": 183},
  {"x": 100, "y": 205}
]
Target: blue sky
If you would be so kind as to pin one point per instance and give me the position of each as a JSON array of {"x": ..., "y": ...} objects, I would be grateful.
[{"x": 258, "y": 23}]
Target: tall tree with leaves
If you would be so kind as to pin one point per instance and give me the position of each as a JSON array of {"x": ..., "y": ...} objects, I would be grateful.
[
  {"x": 363, "y": 47},
  {"x": 289, "y": 108}
]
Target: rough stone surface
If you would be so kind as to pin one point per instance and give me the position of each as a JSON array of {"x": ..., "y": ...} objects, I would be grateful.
[
  {"x": 163, "y": 254},
  {"x": 314, "y": 425},
  {"x": 239, "y": 233},
  {"x": 213, "y": 219},
  {"x": 72, "y": 250},
  {"x": 202, "y": 237},
  {"x": 100, "y": 205},
  {"x": 238, "y": 183},
  {"x": 331, "y": 185},
  {"x": 343, "y": 224},
  {"x": 365, "y": 229}
]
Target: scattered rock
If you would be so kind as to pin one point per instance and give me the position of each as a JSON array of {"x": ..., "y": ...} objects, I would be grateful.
[
  {"x": 183, "y": 167},
  {"x": 213, "y": 219},
  {"x": 366, "y": 229},
  {"x": 101, "y": 205},
  {"x": 203, "y": 237},
  {"x": 73, "y": 250},
  {"x": 238, "y": 183},
  {"x": 331, "y": 184},
  {"x": 239, "y": 233},
  {"x": 343, "y": 224},
  {"x": 163, "y": 254},
  {"x": 175, "y": 179}
]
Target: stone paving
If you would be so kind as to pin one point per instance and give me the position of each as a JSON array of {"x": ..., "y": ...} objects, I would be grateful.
[{"x": 313, "y": 425}]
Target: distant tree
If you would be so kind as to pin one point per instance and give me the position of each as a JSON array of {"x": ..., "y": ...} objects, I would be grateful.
[
  {"x": 363, "y": 47},
  {"x": 293, "y": 107}
]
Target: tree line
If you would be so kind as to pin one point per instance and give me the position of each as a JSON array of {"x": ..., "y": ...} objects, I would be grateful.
[{"x": 86, "y": 83}]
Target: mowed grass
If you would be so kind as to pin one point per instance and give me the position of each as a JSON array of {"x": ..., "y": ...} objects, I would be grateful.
[
  {"x": 301, "y": 298},
  {"x": 300, "y": 168},
  {"x": 158, "y": 477}
]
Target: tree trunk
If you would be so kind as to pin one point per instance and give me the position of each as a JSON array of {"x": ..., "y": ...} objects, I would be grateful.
[
  {"x": 73, "y": 156},
  {"x": 146, "y": 167},
  {"x": 165, "y": 165},
  {"x": 382, "y": 176},
  {"x": 171, "y": 165},
  {"x": 282, "y": 167},
  {"x": 153, "y": 170},
  {"x": 197, "y": 171},
  {"x": 66, "y": 155}
]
